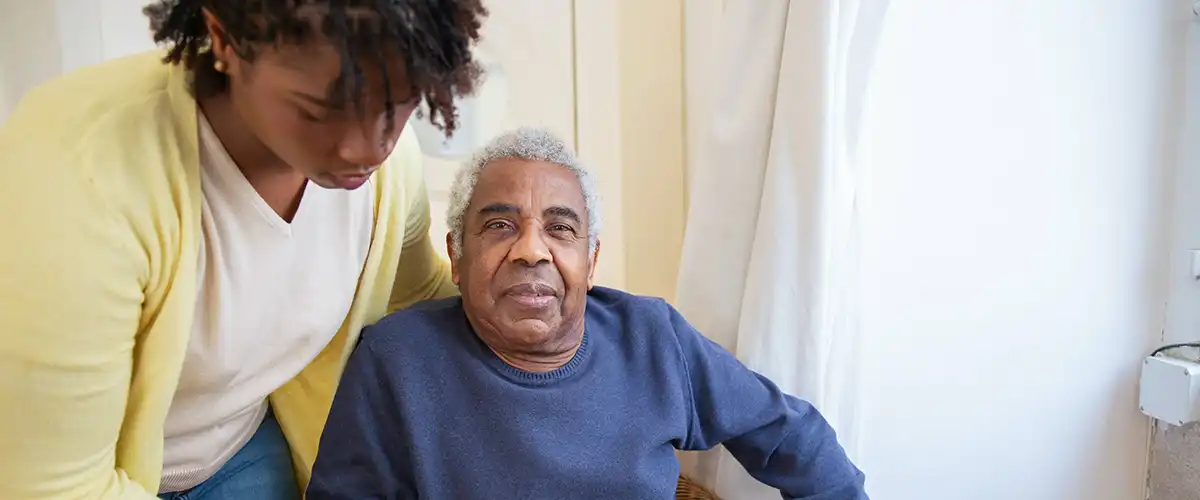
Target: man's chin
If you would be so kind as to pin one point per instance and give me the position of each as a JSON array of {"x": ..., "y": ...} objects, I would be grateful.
[{"x": 529, "y": 332}]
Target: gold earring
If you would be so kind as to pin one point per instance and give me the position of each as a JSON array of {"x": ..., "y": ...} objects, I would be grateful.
[{"x": 219, "y": 65}]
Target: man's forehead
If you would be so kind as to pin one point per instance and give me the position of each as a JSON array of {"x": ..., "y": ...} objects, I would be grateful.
[
  {"x": 518, "y": 172},
  {"x": 521, "y": 182}
]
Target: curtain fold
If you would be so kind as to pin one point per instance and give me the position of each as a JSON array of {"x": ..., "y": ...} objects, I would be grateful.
[{"x": 770, "y": 258}]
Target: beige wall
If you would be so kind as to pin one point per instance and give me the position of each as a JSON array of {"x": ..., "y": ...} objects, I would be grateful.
[
  {"x": 629, "y": 68},
  {"x": 652, "y": 139}
]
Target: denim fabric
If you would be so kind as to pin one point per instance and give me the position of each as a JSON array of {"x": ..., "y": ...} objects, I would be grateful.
[{"x": 261, "y": 470}]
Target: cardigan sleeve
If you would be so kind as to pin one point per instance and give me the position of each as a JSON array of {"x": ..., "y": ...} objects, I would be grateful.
[
  {"x": 422, "y": 273},
  {"x": 71, "y": 293}
]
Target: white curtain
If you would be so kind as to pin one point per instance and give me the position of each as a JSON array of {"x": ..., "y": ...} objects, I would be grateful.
[{"x": 769, "y": 264}]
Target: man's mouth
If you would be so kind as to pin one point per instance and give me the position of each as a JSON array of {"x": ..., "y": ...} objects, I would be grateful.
[{"x": 532, "y": 295}]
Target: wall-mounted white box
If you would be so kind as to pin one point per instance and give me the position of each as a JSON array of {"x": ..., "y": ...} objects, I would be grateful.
[{"x": 1170, "y": 390}]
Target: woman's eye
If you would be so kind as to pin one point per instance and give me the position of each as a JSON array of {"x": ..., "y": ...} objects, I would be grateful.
[{"x": 306, "y": 116}]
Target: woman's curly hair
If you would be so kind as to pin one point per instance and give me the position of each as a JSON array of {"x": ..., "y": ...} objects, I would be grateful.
[{"x": 433, "y": 36}]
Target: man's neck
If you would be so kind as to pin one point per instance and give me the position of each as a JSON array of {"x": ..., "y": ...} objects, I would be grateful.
[
  {"x": 280, "y": 186},
  {"x": 542, "y": 361},
  {"x": 537, "y": 364}
]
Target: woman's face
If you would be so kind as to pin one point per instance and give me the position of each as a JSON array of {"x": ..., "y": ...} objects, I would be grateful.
[{"x": 281, "y": 96}]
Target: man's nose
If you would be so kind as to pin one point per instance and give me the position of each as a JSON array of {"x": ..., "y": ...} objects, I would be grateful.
[
  {"x": 530, "y": 249},
  {"x": 369, "y": 143}
]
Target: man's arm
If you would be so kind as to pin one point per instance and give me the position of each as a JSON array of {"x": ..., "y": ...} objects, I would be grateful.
[
  {"x": 362, "y": 451},
  {"x": 782, "y": 441},
  {"x": 423, "y": 274}
]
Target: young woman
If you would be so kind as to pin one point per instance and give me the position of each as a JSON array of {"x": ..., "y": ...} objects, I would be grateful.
[{"x": 193, "y": 239}]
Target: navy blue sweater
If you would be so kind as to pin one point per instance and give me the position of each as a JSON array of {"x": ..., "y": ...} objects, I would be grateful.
[{"x": 426, "y": 410}]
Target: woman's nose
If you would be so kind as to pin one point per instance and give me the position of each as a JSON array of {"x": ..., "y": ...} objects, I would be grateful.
[{"x": 369, "y": 143}]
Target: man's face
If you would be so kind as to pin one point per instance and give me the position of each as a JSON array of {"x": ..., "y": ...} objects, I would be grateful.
[
  {"x": 525, "y": 268},
  {"x": 281, "y": 97}
]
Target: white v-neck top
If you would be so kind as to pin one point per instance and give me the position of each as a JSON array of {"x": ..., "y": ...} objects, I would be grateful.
[{"x": 271, "y": 296}]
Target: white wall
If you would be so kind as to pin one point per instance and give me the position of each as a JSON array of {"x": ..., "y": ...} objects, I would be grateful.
[
  {"x": 1015, "y": 215},
  {"x": 5, "y": 106},
  {"x": 29, "y": 49},
  {"x": 1183, "y": 311},
  {"x": 1176, "y": 451},
  {"x": 42, "y": 39}
]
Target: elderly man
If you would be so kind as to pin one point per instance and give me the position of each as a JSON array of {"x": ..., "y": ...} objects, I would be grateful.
[{"x": 535, "y": 384}]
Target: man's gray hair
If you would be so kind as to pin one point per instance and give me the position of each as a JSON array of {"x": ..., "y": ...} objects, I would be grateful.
[{"x": 530, "y": 144}]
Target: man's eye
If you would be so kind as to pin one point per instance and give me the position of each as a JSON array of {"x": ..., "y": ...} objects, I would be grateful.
[
  {"x": 498, "y": 224},
  {"x": 561, "y": 227}
]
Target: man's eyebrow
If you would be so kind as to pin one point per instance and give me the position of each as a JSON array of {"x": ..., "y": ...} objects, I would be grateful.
[
  {"x": 554, "y": 211},
  {"x": 499, "y": 208},
  {"x": 563, "y": 212}
]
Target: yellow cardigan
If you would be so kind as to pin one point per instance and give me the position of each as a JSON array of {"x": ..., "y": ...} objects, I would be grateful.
[{"x": 99, "y": 233}]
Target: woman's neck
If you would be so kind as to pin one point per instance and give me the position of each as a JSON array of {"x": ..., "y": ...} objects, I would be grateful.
[
  {"x": 279, "y": 185},
  {"x": 250, "y": 154}
]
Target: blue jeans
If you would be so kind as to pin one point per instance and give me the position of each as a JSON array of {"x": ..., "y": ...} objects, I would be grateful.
[{"x": 261, "y": 470}]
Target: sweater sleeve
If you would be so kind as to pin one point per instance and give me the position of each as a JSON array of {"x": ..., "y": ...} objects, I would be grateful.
[
  {"x": 71, "y": 281},
  {"x": 781, "y": 441},
  {"x": 362, "y": 451},
  {"x": 422, "y": 274}
]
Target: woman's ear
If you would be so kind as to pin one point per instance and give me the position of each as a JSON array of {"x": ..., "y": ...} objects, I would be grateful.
[{"x": 223, "y": 53}]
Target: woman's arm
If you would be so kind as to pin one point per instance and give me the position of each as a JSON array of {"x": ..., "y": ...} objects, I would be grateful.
[
  {"x": 423, "y": 274},
  {"x": 70, "y": 304}
]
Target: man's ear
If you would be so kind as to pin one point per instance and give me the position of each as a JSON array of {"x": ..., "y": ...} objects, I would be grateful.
[
  {"x": 453, "y": 258},
  {"x": 592, "y": 265}
]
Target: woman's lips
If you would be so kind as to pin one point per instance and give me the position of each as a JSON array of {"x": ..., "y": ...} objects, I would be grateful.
[{"x": 350, "y": 181}]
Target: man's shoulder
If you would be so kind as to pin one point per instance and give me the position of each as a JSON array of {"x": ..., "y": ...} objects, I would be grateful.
[
  {"x": 418, "y": 324},
  {"x": 604, "y": 300},
  {"x": 637, "y": 319}
]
